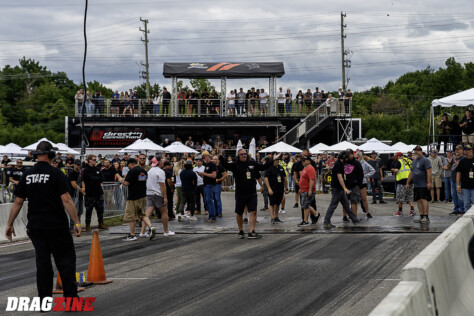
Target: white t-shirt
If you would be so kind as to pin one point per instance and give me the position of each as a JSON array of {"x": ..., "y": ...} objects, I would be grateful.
[
  {"x": 281, "y": 97},
  {"x": 263, "y": 99},
  {"x": 206, "y": 147},
  {"x": 199, "y": 169},
  {"x": 178, "y": 180},
  {"x": 155, "y": 176},
  {"x": 231, "y": 98}
]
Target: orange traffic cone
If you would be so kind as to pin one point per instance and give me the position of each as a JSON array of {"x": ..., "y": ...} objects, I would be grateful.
[
  {"x": 59, "y": 286},
  {"x": 96, "y": 272}
]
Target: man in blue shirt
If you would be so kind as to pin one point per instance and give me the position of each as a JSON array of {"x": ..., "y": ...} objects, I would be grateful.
[{"x": 420, "y": 174}]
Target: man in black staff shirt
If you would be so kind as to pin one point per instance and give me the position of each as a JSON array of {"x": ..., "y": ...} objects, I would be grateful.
[
  {"x": 275, "y": 179},
  {"x": 339, "y": 191},
  {"x": 46, "y": 189},
  {"x": 94, "y": 197},
  {"x": 169, "y": 188},
  {"x": 245, "y": 173},
  {"x": 75, "y": 190},
  {"x": 296, "y": 171}
]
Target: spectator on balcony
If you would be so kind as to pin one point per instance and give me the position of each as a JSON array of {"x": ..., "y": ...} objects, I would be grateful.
[
  {"x": 181, "y": 102},
  {"x": 156, "y": 104},
  {"x": 231, "y": 102},
  {"x": 324, "y": 96},
  {"x": 308, "y": 97},
  {"x": 332, "y": 104},
  {"x": 281, "y": 102},
  {"x": 348, "y": 101},
  {"x": 299, "y": 101},
  {"x": 194, "y": 101},
  {"x": 253, "y": 97},
  {"x": 317, "y": 96},
  {"x": 340, "y": 99},
  {"x": 127, "y": 105},
  {"x": 101, "y": 103},
  {"x": 79, "y": 97},
  {"x": 148, "y": 107},
  {"x": 263, "y": 102},
  {"x": 166, "y": 96},
  {"x": 288, "y": 101},
  {"x": 205, "y": 102},
  {"x": 205, "y": 146},
  {"x": 115, "y": 104},
  {"x": 135, "y": 99},
  {"x": 240, "y": 102},
  {"x": 455, "y": 131},
  {"x": 89, "y": 104},
  {"x": 467, "y": 124},
  {"x": 95, "y": 103}
]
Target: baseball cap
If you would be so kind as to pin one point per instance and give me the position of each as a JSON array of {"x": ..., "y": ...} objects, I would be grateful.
[
  {"x": 433, "y": 151},
  {"x": 154, "y": 162},
  {"x": 188, "y": 162},
  {"x": 131, "y": 160},
  {"x": 467, "y": 147},
  {"x": 205, "y": 153},
  {"x": 418, "y": 148},
  {"x": 77, "y": 162},
  {"x": 449, "y": 150},
  {"x": 458, "y": 147},
  {"x": 398, "y": 154}
]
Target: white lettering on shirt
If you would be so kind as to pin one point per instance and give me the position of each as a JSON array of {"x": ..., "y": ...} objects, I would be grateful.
[{"x": 37, "y": 178}]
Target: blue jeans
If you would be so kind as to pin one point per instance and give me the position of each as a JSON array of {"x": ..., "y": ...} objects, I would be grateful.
[
  {"x": 457, "y": 199},
  {"x": 208, "y": 192},
  {"x": 291, "y": 182},
  {"x": 447, "y": 188},
  {"x": 156, "y": 109},
  {"x": 89, "y": 108},
  {"x": 377, "y": 184},
  {"x": 240, "y": 106},
  {"x": 468, "y": 198},
  {"x": 217, "y": 198},
  {"x": 288, "y": 107}
]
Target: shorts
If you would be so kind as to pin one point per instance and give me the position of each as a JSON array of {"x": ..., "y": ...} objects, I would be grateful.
[
  {"x": 157, "y": 201},
  {"x": 437, "y": 181},
  {"x": 421, "y": 193},
  {"x": 263, "y": 106},
  {"x": 354, "y": 196},
  {"x": 243, "y": 200},
  {"x": 467, "y": 138},
  {"x": 306, "y": 200},
  {"x": 404, "y": 195},
  {"x": 134, "y": 210},
  {"x": 231, "y": 105},
  {"x": 276, "y": 198},
  {"x": 297, "y": 188}
]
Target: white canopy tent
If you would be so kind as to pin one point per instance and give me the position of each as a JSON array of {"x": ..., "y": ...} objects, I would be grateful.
[
  {"x": 374, "y": 144},
  {"x": 281, "y": 147},
  {"x": 238, "y": 147},
  {"x": 252, "y": 148},
  {"x": 63, "y": 148},
  {"x": 463, "y": 98},
  {"x": 13, "y": 149},
  {"x": 318, "y": 149},
  {"x": 33, "y": 146},
  {"x": 145, "y": 145},
  {"x": 342, "y": 146},
  {"x": 402, "y": 147},
  {"x": 180, "y": 148}
]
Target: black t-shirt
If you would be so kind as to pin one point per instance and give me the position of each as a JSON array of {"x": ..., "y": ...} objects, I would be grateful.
[
  {"x": 16, "y": 173},
  {"x": 337, "y": 169},
  {"x": 43, "y": 186},
  {"x": 136, "y": 178},
  {"x": 92, "y": 178},
  {"x": 353, "y": 174},
  {"x": 209, "y": 168},
  {"x": 73, "y": 175},
  {"x": 466, "y": 168},
  {"x": 166, "y": 97},
  {"x": 220, "y": 171},
  {"x": 6, "y": 162},
  {"x": 169, "y": 176},
  {"x": 188, "y": 180},
  {"x": 469, "y": 127},
  {"x": 108, "y": 174},
  {"x": 70, "y": 161},
  {"x": 276, "y": 178}
]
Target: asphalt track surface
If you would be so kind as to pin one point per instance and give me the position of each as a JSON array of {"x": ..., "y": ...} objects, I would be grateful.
[{"x": 287, "y": 272}]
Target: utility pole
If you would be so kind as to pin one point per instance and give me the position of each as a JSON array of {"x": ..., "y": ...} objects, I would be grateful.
[
  {"x": 146, "y": 73},
  {"x": 343, "y": 53}
]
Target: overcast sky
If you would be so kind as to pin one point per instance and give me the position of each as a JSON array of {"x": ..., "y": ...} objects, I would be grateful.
[{"x": 385, "y": 38}]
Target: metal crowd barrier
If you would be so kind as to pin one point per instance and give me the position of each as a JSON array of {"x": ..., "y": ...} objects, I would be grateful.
[{"x": 115, "y": 197}]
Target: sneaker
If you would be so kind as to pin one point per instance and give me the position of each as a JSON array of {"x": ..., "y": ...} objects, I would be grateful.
[
  {"x": 425, "y": 220},
  {"x": 328, "y": 226},
  {"x": 277, "y": 220},
  {"x": 210, "y": 220},
  {"x": 453, "y": 213},
  {"x": 345, "y": 219},
  {"x": 264, "y": 209},
  {"x": 219, "y": 215},
  {"x": 398, "y": 213},
  {"x": 382, "y": 202},
  {"x": 303, "y": 223},
  {"x": 192, "y": 218},
  {"x": 246, "y": 220},
  {"x": 374, "y": 202},
  {"x": 169, "y": 233},
  {"x": 296, "y": 205},
  {"x": 412, "y": 213},
  {"x": 315, "y": 219},
  {"x": 197, "y": 213},
  {"x": 357, "y": 221},
  {"x": 369, "y": 215},
  {"x": 254, "y": 235},
  {"x": 273, "y": 221},
  {"x": 130, "y": 238},
  {"x": 282, "y": 211},
  {"x": 144, "y": 235},
  {"x": 241, "y": 234},
  {"x": 180, "y": 217},
  {"x": 206, "y": 213},
  {"x": 417, "y": 220},
  {"x": 152, "y": 232}
]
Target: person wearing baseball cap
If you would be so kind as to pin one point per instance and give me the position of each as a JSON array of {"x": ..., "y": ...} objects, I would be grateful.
[
  {"x": 209, "y": 179},
  {"x": 465, "y": 178},
  {"x": 377, "y": 178},
  {"x": 437, "y": 169},
  {"x": 401, "y": 169},
  {"x": 420, "y": 174}
]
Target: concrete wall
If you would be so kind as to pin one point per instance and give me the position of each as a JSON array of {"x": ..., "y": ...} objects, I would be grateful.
[
  {"x": 21, "y": 221},
  {"x": 440, "y": 280}
]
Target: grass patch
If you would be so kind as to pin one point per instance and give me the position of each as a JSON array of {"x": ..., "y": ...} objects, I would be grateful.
[{"x": 113, "y": 221}]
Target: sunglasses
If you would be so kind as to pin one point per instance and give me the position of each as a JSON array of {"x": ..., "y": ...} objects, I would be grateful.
[{"x": 243, "y": 154}]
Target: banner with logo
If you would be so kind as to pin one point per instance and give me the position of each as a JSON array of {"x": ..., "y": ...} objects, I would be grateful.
[{"x": 223, "y": 69}]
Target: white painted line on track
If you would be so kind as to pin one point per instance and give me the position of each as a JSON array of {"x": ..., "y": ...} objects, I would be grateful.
[
  {"x": 388, "y": 279},
  {"x": 15, "y": 243}
]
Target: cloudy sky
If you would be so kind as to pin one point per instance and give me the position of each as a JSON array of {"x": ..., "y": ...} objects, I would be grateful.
[{"x": 384, "y": 38}]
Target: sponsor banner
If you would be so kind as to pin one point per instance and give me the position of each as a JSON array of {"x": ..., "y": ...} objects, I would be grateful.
[
  {"x": 114, "y": 138},
  {"x": 223, "y": 69},
  {"x": 56, "y": 304}
]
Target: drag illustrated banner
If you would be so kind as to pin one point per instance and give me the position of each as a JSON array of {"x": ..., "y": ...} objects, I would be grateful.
[{"x": 223, "y": 69}]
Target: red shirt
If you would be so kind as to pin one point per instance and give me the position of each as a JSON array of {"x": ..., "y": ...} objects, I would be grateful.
[{"x": 306, "y": 175}]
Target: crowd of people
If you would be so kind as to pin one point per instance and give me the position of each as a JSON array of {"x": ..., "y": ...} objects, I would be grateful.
[
  {"x": 181, "y": 187},
  {"x": 455, "y": 131},
  {"x": 192, "y": 102}
]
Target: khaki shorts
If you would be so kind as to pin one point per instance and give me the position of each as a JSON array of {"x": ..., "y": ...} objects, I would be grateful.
[
  {"x": 134, "y": 210},
  {"x": 437, "y": 181},
  {"x": 468, "y": 138}
]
